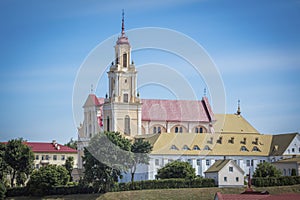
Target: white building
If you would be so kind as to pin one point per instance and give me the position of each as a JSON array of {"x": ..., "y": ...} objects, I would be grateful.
[
  {"x": 178, "y": 129},
  {"x": 226, "y": 173}
]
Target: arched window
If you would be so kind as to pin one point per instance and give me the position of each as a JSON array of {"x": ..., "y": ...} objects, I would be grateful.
[
  {"x": 127, "y": 125},
  {"x": 180, "y": 129},
  {"x": 206, "y": 147},
  {"x": 173, "y": 147},
  {"x": 255, "y": 148},
  {"x": 176, "y": 129},
  {"x": 185, "y": 147},
  {"x": 201, "y": 130},
  {"x": 125, "y": 98},
  {"x": 125, "y": 60},
  {"x": 196, "y": 147},
  {"x": 158, "y": 130},
  {"x": 243, "y": 148},
  {"x": 107, "y": 123},
  {"x": 154, "y": 129},
  {"x": 196, "y": 130}
]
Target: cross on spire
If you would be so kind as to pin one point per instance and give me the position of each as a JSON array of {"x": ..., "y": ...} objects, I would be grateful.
[
  {"x": 239, "y": 108},
  {"x": 123, "y": 28}
]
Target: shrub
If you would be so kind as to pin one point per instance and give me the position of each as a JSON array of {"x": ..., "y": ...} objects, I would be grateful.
[
  {"x": 275, "y": 181},
  {"x": 176, "y": 169},
  {"x": 2, "y": 191},
  {"x": 165, "y": 184}
]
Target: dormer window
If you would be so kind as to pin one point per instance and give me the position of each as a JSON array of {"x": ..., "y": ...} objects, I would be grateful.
[
  {"x": 206, "y": 148},
  {"x": 196, "y": 147},
  {"x": 243, "y": 148},
  {"x": 185, "y": 147},
  {"x": 255, "y": 148},
  {"x": 173, "y": 147}
]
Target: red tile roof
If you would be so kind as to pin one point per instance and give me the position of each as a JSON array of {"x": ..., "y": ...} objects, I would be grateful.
[
  {"x": 176, "y": 110},
  {"x": 172, "y": 110},
  {"x": 38, "y": 147}
]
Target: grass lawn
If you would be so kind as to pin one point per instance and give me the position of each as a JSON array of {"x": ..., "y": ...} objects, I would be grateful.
[
  {"x": 191, "y": 193},
  {"x": 184, "y": 193}
]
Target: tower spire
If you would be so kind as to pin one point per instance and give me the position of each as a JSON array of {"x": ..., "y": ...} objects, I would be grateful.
[
  {"x": 238, "y": 112},
  {"x": 123, "y": 28}
]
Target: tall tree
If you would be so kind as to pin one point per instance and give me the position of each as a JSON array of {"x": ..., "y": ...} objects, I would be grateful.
[
  {"x": 3, "y": 166},
  {"x": 69, "y": 166},
  {"x": 266, "y": 170},
  {"x": 140, "y": 150},
  {"x": 176, "y": 169},
  {"x": 19, "y": 157},
  {"x": 72, "y": 144},
  {"x": 107, "y": 155}
]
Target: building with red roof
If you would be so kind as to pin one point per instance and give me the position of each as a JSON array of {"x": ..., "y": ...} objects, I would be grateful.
[{"x": 46, "y": 153}]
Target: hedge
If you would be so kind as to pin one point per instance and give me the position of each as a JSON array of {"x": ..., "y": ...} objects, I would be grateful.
[
  {"x": 165, "y": 184},
  {"x": 139, "y": 185},
  {"x": 275, "y": 181},
  {"x": 60, "y": 190}
]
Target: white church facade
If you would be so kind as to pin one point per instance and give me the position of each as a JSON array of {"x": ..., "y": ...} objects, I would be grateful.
[{"x": 178, "y": 129}]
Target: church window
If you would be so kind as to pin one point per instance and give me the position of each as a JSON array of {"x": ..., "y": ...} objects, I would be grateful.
[
  {"x": 125, "y": 98},
  {"x": 196, "y": 147},
  {"x": 173, "y": 147},
  {"x": 201, "y": 130},
  {"x": 243, "y": 148},
  {"x": 117, "y": 60},
  {"x": 196, "y": 130},
  {"x": 206, "y": 147},
  {"x": 255, "y": 148},
  {"x": 124, "y": 60},
  {"x": 180, "y": 129},
  {"x": 158, "y": 130},
  {"x": 185, "y": 147},
  {"x": 154, "y": 129},
  {"x": 176, "y": 129},
  {"x": 127, "y": 125},
  {"x": 207, "y": 162},
  {"x": 108, "y": 124}
]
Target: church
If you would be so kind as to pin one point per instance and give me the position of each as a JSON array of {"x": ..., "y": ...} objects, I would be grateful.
[{"x": 186, "y": 130}]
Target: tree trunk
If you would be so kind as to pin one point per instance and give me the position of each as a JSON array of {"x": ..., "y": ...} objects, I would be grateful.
[
  {"x": 13, "y": 178},
  {"x": 132, "y": 177}
]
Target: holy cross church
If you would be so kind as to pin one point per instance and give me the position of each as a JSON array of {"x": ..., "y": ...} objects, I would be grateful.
[{"x": 178, "y": 129}]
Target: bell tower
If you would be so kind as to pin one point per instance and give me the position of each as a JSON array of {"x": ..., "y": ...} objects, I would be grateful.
[{"x": 122, "y": 107}]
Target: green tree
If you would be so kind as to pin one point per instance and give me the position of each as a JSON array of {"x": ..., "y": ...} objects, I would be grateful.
[
  {"x": 19, "y": 157},
  {"x": 72, "y": 144},
  {"x": 107, "y": 155},
  {"x": 69, "y": 166},
  {"x": 140, "y": 149},
  {"x": 2, "y": 191},
  {"x": 3, "y": 166},
  {"x": 266, "y": 170},
  {"x": 45, "y": 178},
  {"x": 176, "y": 169}
]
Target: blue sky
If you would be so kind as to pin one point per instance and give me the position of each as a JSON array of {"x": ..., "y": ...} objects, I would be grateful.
[{"x": 254, "y": 44}]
